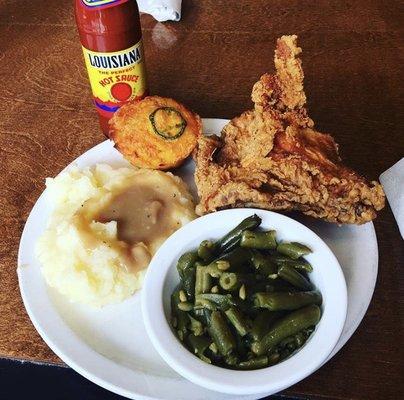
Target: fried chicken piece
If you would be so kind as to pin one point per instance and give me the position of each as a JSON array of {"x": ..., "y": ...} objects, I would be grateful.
[{"x": 271, "y": 157}]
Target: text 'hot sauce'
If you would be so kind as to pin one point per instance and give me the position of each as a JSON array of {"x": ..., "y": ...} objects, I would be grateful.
[{"x": 111, "y": 39}]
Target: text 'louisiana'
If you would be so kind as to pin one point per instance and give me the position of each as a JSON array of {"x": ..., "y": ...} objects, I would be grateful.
[{"x": 106, "y": 61}]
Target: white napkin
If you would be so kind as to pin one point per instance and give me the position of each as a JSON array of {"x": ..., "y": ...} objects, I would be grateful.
[
  {"x": 161, "y": 10},
  {"x": 393, "y": 185}
]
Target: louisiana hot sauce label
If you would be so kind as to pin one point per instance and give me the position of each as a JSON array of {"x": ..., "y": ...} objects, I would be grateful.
[{"x": 116, "y": 77}]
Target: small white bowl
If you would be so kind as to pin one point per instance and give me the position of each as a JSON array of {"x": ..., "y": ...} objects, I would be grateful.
[{"x": 162, "y": 278}]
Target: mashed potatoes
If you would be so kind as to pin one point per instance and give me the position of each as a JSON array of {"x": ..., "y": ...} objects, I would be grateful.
[{"x": 106, "y": 225}]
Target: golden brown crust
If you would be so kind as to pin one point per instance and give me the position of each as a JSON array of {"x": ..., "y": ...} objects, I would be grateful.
[
  {"x": 243, "y": 138},
  {"x": 270, "y": 157},
  {"x": 285, "y": 89},
  {"x": 134, "y": 136}
]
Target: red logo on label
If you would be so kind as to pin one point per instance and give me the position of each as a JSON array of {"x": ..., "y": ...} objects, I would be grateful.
[{"x": 121, "y": 91}]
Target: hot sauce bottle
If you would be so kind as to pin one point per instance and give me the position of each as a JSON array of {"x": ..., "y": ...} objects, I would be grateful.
[{"x": 111, "y": 39}]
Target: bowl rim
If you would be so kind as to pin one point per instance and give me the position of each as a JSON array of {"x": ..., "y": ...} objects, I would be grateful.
[{"x": 271, "y": 379}]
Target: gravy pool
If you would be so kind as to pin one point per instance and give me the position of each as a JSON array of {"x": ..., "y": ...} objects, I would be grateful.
[{"x": 147, "y": 211}]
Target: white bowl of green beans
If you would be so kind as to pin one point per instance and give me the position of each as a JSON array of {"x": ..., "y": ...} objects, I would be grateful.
[{"x": 244, "y": 301}]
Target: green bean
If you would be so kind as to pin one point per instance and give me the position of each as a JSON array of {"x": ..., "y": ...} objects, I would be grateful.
[
  {"x": 267, "y": 286},
  {"x": 213, "y": 348},
  {"x": 293, "y": 250},
  {"x": 242, "y": 346},
  {"x": 199, "y": 344},
  {"x": 285, "y": 342},
  {"x": 303, "y": 265},
  {"x": 299, "y": 264},
  {"x": 229, "y": 281},
  {"x": 253, "y": 283},
  {"x": 232, "y": 238},
  {"x": 187, "y": 260},
  {"x": 181, "y": 335},
  {"x": 239, "y": 259},
  {"x": 279, "y": 285},
  {"x": 237, "y": 319},
  {"x": 185, "y": 306},
  {"x": 263, "y": 322},
  {"x": 186, "y": 271},
  {"x": 222, "y": 265},
  {"x": 182, "y": 322},
  {"x": 206, "y": 250},
  {"x": 254, "y": 363},
  {"x": 221, "y": 334},
  {"x": 258, "y": 240},
  {"x": 292, "y": 347},
  {"x": 286, "y": 300},
  {"x": 203, "y": 315},
  {"x": 203, "y": 281},
  {"x": 231, "y": 360},
  {"x": 307, "y": 332},
  {"x": 201, "y": 303},
  {"x": 284, "y": 353},
  {"x": 260, "y": 286},
  {"x": 174, "y": 322},
  {"x": 264, "y": 265},
  {"x": 188, "y": 281},
  {"x": 251, "y": 278},
  {"x": 287, "y": 326},
  {"x": 300, "y": 339},
  {"x": 198, "y": 279},
  {"x": 195, "y": 326},
  {"x": 295, "y": 278},
  {"x": 273, "y": 358},
  {"x": 293, "y": 342},
  {"x": 216, "y": 268},
  {"x": 220, "y": 301},
  {"x": 182, "y": 317}
]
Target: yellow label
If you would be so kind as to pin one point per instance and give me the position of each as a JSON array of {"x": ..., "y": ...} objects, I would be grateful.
[{"x": 116, "y": 77}]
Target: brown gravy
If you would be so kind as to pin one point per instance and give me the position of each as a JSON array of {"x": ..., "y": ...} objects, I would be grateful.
[{"x": 144, "y": 211}]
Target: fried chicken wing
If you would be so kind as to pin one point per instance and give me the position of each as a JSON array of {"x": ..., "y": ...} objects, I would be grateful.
[{"x": 271, "y": 157}]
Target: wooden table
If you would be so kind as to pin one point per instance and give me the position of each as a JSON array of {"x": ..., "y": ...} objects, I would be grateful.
[{"x": 209, "y": 61}]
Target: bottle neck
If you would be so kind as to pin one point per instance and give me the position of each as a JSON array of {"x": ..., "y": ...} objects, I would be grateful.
[{"x": 109, "y": 27}]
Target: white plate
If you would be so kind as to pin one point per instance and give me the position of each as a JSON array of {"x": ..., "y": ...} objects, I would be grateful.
[{"x": 110, "y": 346}]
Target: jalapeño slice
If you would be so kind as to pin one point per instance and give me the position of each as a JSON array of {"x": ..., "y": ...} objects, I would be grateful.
[{"x": 168, "y": 122}]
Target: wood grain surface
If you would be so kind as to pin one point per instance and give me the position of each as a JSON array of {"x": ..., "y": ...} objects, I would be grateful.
[{"x": 353, "y": 61}]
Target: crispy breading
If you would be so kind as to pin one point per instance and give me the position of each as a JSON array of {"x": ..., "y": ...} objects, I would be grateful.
[
  {"x": 271, "y": 157},
  {"x": 131, "y": 128},
  {"x": 284, "y": 90},
  {"x": 242, "y": 138}
]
